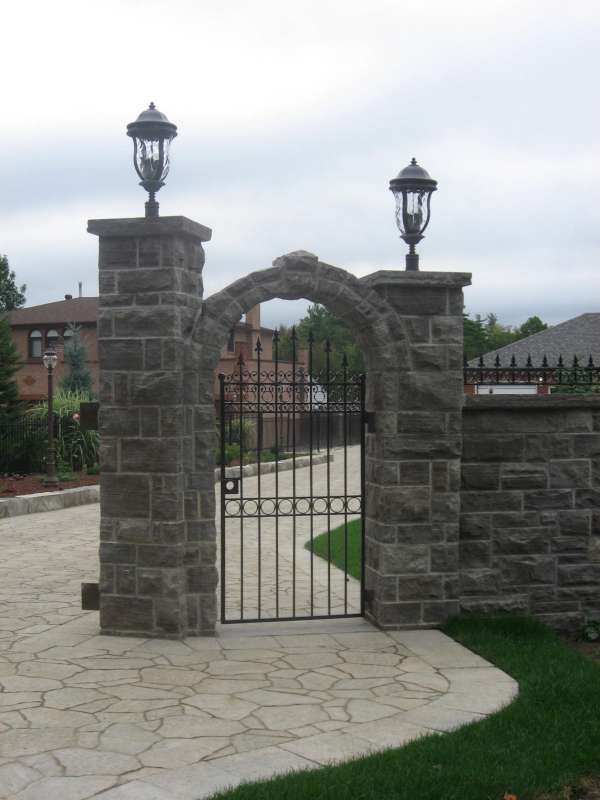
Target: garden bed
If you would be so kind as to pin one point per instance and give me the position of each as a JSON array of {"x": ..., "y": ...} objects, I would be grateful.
[{"x": 34, "y": 484}]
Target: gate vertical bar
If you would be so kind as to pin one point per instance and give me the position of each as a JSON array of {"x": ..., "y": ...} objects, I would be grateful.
[
  {"x": 241, "y": 414},
  {"x": 258, "y": 466},
  {"x": 276, "y": 408},
  {"x": 310, "y": 471},
  {"x": 293, "y": 471},
  {"x": 223, "y": 520},
  {"x": 328, "y": 384},
  {"x": 345, "y": 440},
  {"x": 363, "y": 506}
]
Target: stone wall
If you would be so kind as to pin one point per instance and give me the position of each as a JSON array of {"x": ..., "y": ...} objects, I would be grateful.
[{"x": 530, "y": 507}]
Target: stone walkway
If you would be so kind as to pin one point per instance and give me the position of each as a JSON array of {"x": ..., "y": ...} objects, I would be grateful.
[{"x": 84, "y": 715}]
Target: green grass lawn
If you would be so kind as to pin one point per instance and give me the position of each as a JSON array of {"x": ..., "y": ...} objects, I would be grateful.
[
  {"x": 549, "y": 737},
  {"x": 338, "y": 547}
]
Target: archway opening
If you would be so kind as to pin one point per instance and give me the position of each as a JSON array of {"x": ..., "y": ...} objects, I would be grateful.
[{"x": 290, "y": 403}]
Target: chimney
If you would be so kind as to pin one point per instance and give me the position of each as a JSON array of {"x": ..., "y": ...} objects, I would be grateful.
[
  {"x": 80, "y": 289},
  {"x": 253, "y": 318}
]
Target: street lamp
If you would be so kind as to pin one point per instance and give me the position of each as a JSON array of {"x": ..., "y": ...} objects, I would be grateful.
[
  {"x": 412, "y": 188},
  {"x": 50, "y": 360},
  {"x": 152, "y": 134}
]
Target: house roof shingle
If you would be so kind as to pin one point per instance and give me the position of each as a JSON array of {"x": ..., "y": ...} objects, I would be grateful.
[
  {"x": 78, "y": 310},
  {"x": 579, "y": 337}
]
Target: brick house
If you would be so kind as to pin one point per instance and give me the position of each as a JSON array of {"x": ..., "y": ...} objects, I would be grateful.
[{"x": 36, "y": 328}]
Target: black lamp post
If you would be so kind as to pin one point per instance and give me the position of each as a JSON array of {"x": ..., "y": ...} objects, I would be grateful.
[
  {"x": 152, "y": 134},
  {"x": 50, "y": 360},
  {"x": 412, "y": 188}
]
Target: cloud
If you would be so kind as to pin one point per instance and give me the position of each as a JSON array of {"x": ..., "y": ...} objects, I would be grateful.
[{"x": 293, "y": 118}]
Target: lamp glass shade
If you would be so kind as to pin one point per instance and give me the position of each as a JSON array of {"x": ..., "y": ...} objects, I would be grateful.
[
  {"x": 412, "y": 210},
  {"x": 152, "y": 134},
  {"x": 50, "y": 359}
]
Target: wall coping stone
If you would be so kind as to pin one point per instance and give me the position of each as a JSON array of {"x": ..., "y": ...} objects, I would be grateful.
[
  {"x": 532, "y": 402},
  {"x": 140, "y": 226},
  {"x": 389, "y": 277},
  {"x": 49, "y": 501}
]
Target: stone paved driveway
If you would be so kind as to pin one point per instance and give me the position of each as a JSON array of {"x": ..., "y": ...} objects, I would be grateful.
[{"x": 83, "y": 715}]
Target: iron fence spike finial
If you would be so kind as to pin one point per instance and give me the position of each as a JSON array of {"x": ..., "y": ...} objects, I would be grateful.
[
  {"x": 258, "y": 347},
  {"x": 465, "y": 362},
  {"x": 575, "y": 361},
  {"x": 293, "y": 333},
  {"x": 529, "y": 362},
  {"x": 497, "y": 360},
  {"x": 276, "y": 336},
  {"x": 545, "y": 361},
  {"x": 560, "y": 360},
  {"x": 591, "y": 362},
  {"x": 513, "y": 361},
  {"x": 481, "y": 361},
  {"x": 327, "y": 346}
]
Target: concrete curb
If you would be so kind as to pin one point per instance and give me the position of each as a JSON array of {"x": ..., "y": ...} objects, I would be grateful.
[
  {"x": 83, "y": 495},
  {"x": 48, "y": 501},
  {"x": 269, "y": 466}
]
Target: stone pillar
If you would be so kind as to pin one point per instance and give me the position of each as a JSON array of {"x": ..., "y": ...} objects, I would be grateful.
[
  {"x": 413, "y": 452},
  {"x": 150, "y": 295}
]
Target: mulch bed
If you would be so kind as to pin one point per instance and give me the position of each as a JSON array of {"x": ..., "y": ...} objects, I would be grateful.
[
  {"x": 33, "y": 484},
  {"x": 589, "y": 649}
]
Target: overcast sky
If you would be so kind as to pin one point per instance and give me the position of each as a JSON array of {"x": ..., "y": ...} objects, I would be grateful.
[{"x": 292, "y": 119}]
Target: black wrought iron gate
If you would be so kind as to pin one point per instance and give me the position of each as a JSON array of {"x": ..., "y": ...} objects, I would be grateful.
[{"x": 292, "y": 428}]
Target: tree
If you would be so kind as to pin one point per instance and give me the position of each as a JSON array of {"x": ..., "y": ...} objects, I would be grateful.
[
  {"x": 474, "y": 334},
  {"x": 531, "y": 326},
  {"x": 482, "y": 335},
  {"x": 9, "y": 365},
  {"x": 11, "y": 295},
  {"x": 79, "y": 377},
  {"x": 324, "y": 327}
]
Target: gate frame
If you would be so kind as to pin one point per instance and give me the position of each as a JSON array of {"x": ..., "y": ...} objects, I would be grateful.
[{"x": 279, "y": 379}]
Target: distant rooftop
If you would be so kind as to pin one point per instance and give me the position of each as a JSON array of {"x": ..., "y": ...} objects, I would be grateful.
[
  {"x": 76, "y": 309},
  {"x": 579, "y": 337}
]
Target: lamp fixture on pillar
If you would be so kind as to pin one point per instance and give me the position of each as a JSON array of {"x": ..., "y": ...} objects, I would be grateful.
[
  {"x": 50, "y": 360},
  {"x": 152, "y": 134},
  {"x": 412, "y": 188}
]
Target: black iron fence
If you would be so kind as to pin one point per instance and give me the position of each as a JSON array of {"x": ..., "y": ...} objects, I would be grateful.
[
  {"x": 562, "y": 374},
  {"x": 24, "y": 441}
]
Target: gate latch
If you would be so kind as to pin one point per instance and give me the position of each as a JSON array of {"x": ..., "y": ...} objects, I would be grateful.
[{"x": 232, "y": 486}]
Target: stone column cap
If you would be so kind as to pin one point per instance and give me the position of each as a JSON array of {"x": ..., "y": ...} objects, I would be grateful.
[
  {"x": 141, "y": 226},
  {"x": 392, "y": 277}
]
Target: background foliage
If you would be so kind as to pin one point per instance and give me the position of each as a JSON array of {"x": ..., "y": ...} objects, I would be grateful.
[{"x": 481, "y": 334}]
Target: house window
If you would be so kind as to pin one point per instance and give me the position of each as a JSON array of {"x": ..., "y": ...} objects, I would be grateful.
[
  {"x": 52, "y": 338},
  {"x": 231, "y": 342},
  {"x": 67, "y": 335},
  {"x": 35, "y": 344}
]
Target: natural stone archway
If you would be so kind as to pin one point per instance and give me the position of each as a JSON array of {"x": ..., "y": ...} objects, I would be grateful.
[{"x": 159, "y": 346}]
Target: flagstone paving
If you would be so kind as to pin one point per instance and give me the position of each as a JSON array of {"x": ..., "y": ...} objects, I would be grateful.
[{"x": 84, "y": 715}]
